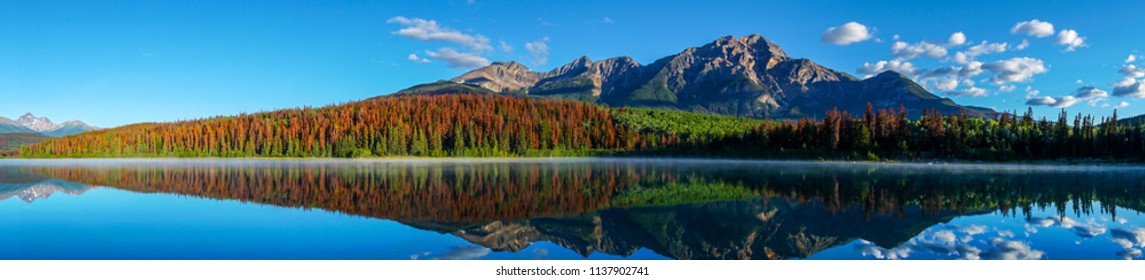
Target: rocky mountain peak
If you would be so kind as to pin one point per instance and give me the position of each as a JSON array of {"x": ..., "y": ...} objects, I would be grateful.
[
  {"x": 764, "y": 47},
  {"x": 737, "y": 55},
  {"x": 42, "y": 125},
  {"x": 512, "y": 65},
  {"x": 748, "y": 76},
  {"x": 39, "y": 124},
  {"x": 500, "y": 76},
  {"x": 582, "y": 60},
  {"x": 890, "y": 74},
  {"x": 610, "y": 68},
  {"x": 577, "y": 66}
]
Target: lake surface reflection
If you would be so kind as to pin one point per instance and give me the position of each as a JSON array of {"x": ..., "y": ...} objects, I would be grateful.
[{"x": 565, "y": 209}]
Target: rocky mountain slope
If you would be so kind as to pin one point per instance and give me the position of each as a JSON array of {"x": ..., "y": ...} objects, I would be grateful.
[
  {"x": 29, "y": 123},
  {"x": 10, "y": 126},
  {"x": 749, "y": 76}
]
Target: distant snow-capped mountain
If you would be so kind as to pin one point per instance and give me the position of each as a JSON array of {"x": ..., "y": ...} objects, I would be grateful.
[{"x": 45, "y": 126}]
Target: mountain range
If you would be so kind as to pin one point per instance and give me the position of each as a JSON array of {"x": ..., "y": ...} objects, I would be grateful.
[
  {"x": 749, "y": 77},
  {"x": 29, "y": 123},
  {"x": 32, "y": 191},
  {"x": 746, "y": 229}
]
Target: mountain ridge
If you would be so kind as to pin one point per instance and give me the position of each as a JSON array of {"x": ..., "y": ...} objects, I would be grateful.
[
  {"x": 30, "y": 123},
  {"x": 749, "y": 76}
]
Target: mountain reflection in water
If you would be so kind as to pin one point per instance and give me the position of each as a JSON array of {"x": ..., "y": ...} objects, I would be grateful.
[{"x": 677, "y": 209}]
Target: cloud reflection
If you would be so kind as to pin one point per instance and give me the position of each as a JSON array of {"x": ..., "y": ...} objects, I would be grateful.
[
  {"x": 868, "y": 249},
  {"x": 1130, "y": 254},
  {"x": 1090, "y": 228},
  {"x": 464, "y": 252},
  {"x": 1131, "y": 235},
  {"x": 958, "y": 242},
  {"x": 1011, "y": 250}
]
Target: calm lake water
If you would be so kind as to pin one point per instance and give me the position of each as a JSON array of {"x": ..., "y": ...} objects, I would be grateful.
[{"x": 565, "y": 209}]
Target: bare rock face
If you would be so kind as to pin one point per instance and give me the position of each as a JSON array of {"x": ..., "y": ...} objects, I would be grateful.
[
  {"x": 749, "y": 76},
  {"x": 30, "y": 123},
  {"x": 40, "y": 124},
  {"x": 500, "y": 77}
]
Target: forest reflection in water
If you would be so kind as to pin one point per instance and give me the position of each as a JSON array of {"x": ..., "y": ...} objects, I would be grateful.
[{"x": 683, "y": 209}]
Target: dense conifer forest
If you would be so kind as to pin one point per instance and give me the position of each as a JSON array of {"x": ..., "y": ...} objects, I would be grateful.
[{"x": 463, "y": 125}]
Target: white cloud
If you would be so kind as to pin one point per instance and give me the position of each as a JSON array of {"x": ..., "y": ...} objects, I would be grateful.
[
  {"x": 904, "y": 51},
  {"x": 986, "y": 48},
  {"x": 1044, "y": 100},
  {"x": 846, "y": 34},
  {"x": 871, "y": 69},
  {"x": 1031, "y": 93},
  {"x": 1064, "y": 102},
  {"x": 1121, "y": 104},
  {"x": 957, "y": 38},
  {"x": 1007, "y": 88},
  {"x": 1035, "y": 28},
  {"x": 539, "y": 51},
  {"x": 458, "y": 60},
  {"x": 973, "y": 52},
  {"x": 970, "y": 92},
  {"x": 971, "y": 69},
  {"x": 944, "y": 71},
  {"x": 962, "y": 58},
  {"x": 1088, "y": 92},
  {"x": 1070, "y": 39},
  {"x": 419, "y": 60},
  {"x": 947, "y": 84},
  {"x": 607, "y": 20},
  {"x": 1127, "y": 81},
  {"x": 1018, "y": 69},
  {"x": 1025, "y": 44},
  {"x": 429, "y": 31},
  {"x": 1131, "y": 59},
  {"x": 506, "y": 47},
  {"x": 1132, "y": 71},
  {"x": 1129, "y": 87}
]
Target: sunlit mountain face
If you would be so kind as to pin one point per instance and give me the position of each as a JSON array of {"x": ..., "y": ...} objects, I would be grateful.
[{"x": 641, "y": 209}]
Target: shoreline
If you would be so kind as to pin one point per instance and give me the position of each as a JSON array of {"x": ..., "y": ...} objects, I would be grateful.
[{"x": 1094, "y": 165}]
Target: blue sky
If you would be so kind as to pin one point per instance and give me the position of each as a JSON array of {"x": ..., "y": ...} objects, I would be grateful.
[{"x": 124, "y": 62}]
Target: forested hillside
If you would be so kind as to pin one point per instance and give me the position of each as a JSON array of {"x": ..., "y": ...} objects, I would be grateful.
[
  {"x": 10, "y": 142},
  {"x": 445, "y": 125},
  {"x": 464, "y": 125}
]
